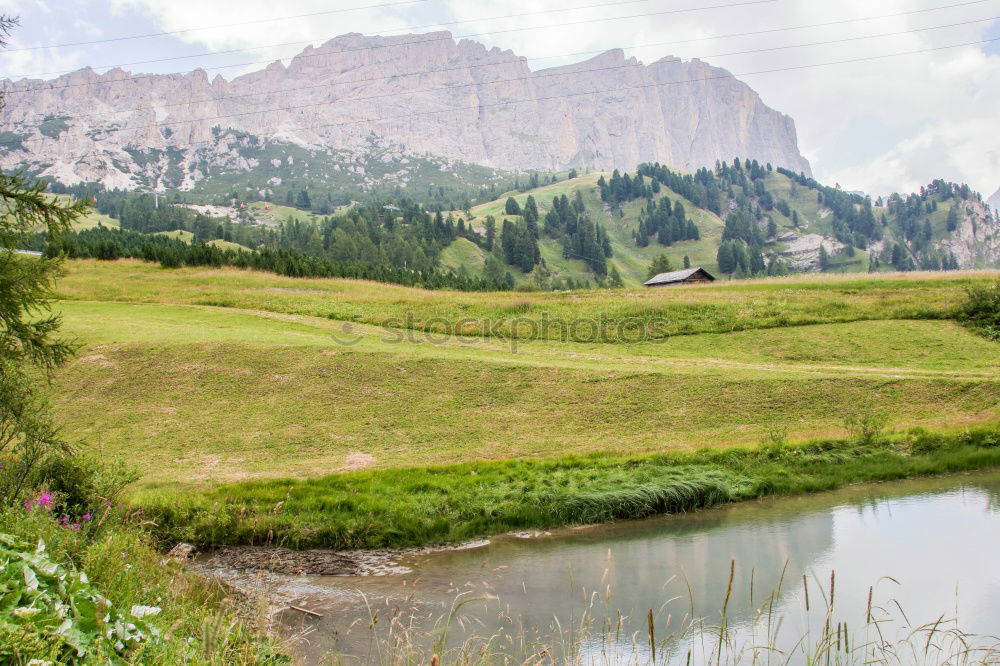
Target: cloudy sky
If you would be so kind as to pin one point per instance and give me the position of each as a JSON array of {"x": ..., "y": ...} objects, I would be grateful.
[{"x": 879, "y": 125}]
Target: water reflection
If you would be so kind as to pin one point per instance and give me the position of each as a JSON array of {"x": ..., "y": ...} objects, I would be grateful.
[{"x": 937, "y": 539}]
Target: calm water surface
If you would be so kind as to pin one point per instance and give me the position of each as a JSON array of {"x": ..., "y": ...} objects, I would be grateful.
[{"x": 927, "y": 548}]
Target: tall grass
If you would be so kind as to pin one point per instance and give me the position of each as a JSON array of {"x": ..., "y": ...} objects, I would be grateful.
[
  {"x": 417, "y": 506},
  {"x": 671, "y": 496}
]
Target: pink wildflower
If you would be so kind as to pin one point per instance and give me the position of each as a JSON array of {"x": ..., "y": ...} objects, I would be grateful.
[
  {"x": 45, "y": 499},
  {"x": 86, "y": 516}
]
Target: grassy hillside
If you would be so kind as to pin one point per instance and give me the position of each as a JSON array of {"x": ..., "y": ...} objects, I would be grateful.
[
  {"x": 463, "y": 253},
  {"x": 808, "y": 214},
  {"x": 630, "y": 260},
  {"x": 607, "y": 226},
  {"x": 201, "y": 377}
]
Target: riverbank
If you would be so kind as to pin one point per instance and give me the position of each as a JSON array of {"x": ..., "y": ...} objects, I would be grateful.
[
  {"x": 730, "y": 584},
  {"x": 410, "y": 507}
]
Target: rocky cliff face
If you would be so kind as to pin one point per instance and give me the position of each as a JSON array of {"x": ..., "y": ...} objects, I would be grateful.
[
  {"x": 994, "y": 202},
  {"x": 976, "y": 241},
  {"x": 424, "y": 94}
]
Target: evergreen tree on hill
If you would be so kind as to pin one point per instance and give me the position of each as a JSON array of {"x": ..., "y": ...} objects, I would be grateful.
[
  {"x": 615, "y": 279},
  {"x": 302, "y": 201},
  {"x": 660, "y": 264},
  {"x": 953, "y": 218},
  {"x": 725, "y": 257}
]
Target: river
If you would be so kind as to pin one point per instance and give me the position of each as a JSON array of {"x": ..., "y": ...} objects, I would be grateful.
[{"x": 927, "y": 551}]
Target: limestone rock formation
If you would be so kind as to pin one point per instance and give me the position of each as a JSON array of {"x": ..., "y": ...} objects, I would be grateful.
[
  {"x": 423, "y": 94},
  {"x": 976, "y": 241}
]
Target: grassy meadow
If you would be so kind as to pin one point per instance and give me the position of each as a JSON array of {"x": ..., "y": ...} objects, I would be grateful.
[{"x": 203, "y": 379}]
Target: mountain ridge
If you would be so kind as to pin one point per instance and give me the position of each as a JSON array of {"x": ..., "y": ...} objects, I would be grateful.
[{"x": 462, "y": 102}]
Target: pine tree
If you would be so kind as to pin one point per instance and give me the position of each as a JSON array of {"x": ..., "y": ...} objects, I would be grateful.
[
  {"x": 615, "y": 279},
  {"x": 687, "y": 261},
  {"x": 824, "y": 259},
  {"x": 530, "y": 213},
  {"x": 953, "y": 218},
  {"x": 302, "y": 201},
  {"x": 757, "y": 265},
  {"x": 725, "y": 258},
  {"x": 660, "y": 264},
  {"x": 29, "y": 350},
  {"x": 511, "y": 207},
  {"x": 491, "y": 233}
]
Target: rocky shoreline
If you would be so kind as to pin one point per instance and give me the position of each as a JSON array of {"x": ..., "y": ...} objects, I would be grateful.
[{"x": 315, "y": 562}]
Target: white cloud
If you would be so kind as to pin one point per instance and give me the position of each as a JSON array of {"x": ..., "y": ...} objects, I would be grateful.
[
  {"x": 17, "y": 62},
  {"x": 258, "y": 37}
]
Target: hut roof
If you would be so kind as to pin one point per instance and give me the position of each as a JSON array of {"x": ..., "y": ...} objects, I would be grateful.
[{"x": 677, "y": 276}]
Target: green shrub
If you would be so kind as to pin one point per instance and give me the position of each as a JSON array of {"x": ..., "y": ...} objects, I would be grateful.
[
  {"x": 82, "y": 484},
  {"x": 981, "y": 310},
  {"x": 866, "y": 425}
]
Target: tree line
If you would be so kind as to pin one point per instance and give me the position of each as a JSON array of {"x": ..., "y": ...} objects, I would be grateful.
[{"x": 110, "y": 244}]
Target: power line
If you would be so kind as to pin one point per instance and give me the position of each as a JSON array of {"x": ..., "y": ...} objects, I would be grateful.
[
  {"x": 397, "y": 30},
  {"x": 726, "y": 75},
  {"x": 531, "y": 77},
  {"x": 302, "y": 55},
  {"x": 216, "y": 27},
  {"x": 448, "y": 37}
]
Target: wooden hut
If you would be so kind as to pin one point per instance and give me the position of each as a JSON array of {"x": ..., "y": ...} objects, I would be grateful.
[{"x": 695, "y": 275}]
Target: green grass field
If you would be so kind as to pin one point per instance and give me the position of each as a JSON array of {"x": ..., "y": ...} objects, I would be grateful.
[
  {"x": 202, "y": 377},
  {"x": 720, "y": 308}
]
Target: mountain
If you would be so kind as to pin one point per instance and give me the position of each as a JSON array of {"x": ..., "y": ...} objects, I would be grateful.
[
  {"x": 943, "y": 226},
  {"x": 737, "y": 220},
  {"x": 424, "y": 96},
  {"x": 994, "y": 201}
]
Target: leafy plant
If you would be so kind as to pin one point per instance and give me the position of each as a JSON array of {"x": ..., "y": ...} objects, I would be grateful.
[{"x": 52, "y": 611}]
